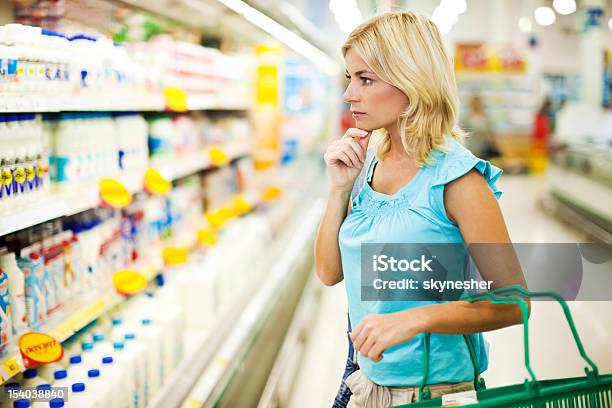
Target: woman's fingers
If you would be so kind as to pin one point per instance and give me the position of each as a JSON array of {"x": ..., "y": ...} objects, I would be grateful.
[
  {"x": 357, "y": 149},
  {"x": 354, "y": 156},
  {"x": 354, "y": 132}
]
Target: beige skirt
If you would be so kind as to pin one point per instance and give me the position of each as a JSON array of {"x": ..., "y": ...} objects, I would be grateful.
[{"x": 367, "y": 394}]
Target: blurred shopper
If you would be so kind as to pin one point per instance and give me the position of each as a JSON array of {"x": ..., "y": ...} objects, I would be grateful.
[
  {"x": 543, "y": 125},
  {"x": 481, "y": 140},
  {"x": 419, "y": 184}
]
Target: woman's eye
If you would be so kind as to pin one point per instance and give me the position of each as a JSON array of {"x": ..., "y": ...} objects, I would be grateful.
[
  {"x": 366, "y": 81},
  {"x": 347, "y": 76}
]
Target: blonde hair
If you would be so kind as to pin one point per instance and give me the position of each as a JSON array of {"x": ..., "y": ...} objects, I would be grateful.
[{"x": 406, "y": 51}]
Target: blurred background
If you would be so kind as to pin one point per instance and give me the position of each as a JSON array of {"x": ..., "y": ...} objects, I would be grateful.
[{"x": 231, "y": 103}]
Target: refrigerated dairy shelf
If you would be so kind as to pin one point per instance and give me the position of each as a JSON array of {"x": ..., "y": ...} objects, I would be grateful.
[
  {"x": 76, "y": 200},
  {"x": 221, "y": 345},
  {"x": 64, "y": 327},
  {"x": 111, "y": 103}
]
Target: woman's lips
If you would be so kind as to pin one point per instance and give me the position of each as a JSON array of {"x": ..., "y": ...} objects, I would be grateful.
[{"x": 357, "y": 114}]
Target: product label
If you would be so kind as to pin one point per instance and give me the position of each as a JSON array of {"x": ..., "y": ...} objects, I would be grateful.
[
  {"x": 5, "y": 311},
  {"x": 114, "y": 194},
  {"x": 39, "y": 348},
  {"x": 12, "y": 67},
  {"x": 19, "y": 177},
  {"x": 30, "y": 175},
  {"x": 6, "y": 181},
  {"x": 155, "y": 182}
]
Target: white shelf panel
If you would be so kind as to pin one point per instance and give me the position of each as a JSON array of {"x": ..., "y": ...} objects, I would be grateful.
[{"x": 81, "y": 198}]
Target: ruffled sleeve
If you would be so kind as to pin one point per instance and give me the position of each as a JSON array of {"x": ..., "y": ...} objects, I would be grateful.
[
  {"x": 452, "y": 165},
  {"x": 456, "y": 167}
]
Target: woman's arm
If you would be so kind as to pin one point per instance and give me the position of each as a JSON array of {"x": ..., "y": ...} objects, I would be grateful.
[
  {"x": 469, "y": 203},
  {"x": 327, "y": 250},
  {"x": 345, "y": 159}
]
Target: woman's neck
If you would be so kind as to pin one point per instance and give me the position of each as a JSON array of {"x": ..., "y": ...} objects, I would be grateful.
[{"x": 396, "y": 150}]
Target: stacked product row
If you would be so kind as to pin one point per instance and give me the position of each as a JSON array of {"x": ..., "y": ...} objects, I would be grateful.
[
  {"x": 41, "y": 62},
  {"x": 74, "y": 149},
  {"x": 125, "y": 358},
  {"x": 49, "y": 270}
]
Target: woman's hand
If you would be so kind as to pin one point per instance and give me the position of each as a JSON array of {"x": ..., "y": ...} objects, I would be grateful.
[
  {"x": 345, "y": 158},
  {"x": 376, "y": 333}
]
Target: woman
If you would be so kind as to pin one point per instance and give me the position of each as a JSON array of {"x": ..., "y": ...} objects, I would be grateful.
[
  {"x": 481, "y": 141},
  {"x": 420, "y": 185}
]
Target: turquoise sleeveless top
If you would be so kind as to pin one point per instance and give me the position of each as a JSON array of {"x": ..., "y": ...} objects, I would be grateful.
[{"x": 415, "y": 214}]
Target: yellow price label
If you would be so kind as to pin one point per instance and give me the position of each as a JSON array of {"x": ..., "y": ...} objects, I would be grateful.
[
  {"x": 206, "y": 236},
  {"x": 39, "y": 348},
  {"x": 129, "y": 282},
  {"x": 155, "y": 182},
  {"x": 215, "y": 218},
  {"x": 176, "y": 99},
  {"x": 241, "y": 205},
  {"x": 271, "y": 193},
  {"x": 218, "y": 156},
  {"x": 114, "y": 193},
  {"x": 11, "y": 366},
  {"x": 175, "y": 255}
]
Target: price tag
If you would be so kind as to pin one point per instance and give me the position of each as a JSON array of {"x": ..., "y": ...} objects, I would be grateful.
[
  {"x": 129, "y": 282},
  {"x": 215, "y": 218},
  {"x": 218, "y": 156},
  {"x": 155, "y": 182},
  {"x": 241, "y": 205},
  {"x": 176, "y": 99},
  {"x": 11, "y": 366},
  {"x": 174, "y": 255},
  {"x": 39, "y": 348},
  {"x": 206, "y": 236},
  {"x": 114, "y": 194},
  {"x": 271, "y": 193}
]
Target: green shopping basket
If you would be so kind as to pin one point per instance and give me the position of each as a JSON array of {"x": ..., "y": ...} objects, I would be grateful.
[{"x": 592, "y": 390}]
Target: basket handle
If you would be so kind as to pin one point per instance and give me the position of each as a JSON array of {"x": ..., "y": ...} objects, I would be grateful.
[{"x": 520, "y": 290}]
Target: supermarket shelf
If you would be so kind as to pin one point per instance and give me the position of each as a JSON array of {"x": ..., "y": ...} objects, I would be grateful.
[
  {"x": 226, "y": 360},
  {"x": 113, "y": 103},
  {"x": 64, "y": 203}
]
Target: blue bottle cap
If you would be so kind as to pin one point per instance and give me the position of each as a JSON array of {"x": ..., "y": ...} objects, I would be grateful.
[
  {"x": 60, "y": 374},
  {"x": 93, "y": 373},
  {"x": 98, "y": 337},
  {"x": 75, "y": 359},
  {"x": 107, "y": 360},
  {"x": 146, "y": 322},
  {"x": 78, "y": 387},
  {"x": 118, "y": 345},
  {"x": 130, "y": 336},
  {"x": 87, "y": 346},
  {"x": 13, "y": 385},
  {"x": 22, "y": 403},
  {"x": 30, "y": 373},
  {"x": 117, "y": 321},
  {"x": 43, "y": 387},
  {"x": 56, "y": 403}
]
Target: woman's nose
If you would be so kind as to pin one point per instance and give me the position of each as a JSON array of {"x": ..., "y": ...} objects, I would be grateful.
[{"x": 349, "y": 94}]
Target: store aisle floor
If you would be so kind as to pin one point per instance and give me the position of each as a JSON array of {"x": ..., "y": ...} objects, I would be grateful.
[{"x": 553, "y": 353}]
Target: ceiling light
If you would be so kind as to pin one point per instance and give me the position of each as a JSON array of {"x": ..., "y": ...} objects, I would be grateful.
[
  {"x": 524, "y": 25},
  {"x": 280, "y": 32},
  {"x": 454, "y": 6},
  {"x": 610, "y": 24},
  {"x": 564, "y": 7},
  {"x": 544, "y": 16}
]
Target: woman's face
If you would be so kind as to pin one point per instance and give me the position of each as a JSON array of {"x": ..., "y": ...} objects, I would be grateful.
[{"x": 374, "y": 103}]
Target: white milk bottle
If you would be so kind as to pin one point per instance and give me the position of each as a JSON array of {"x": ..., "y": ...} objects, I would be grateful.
[
  {"x": 120, "y": 389},
  {"x": 98, "y": 388},
  {"x": 137, "y": 347},
  {"x": 8, "y": 263},
  {"x": 80, "y": 398},
  {"x": 134, "y": 376},
  {"x": 77, "y": 370},
  {"x": 152, "y": 336}
]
